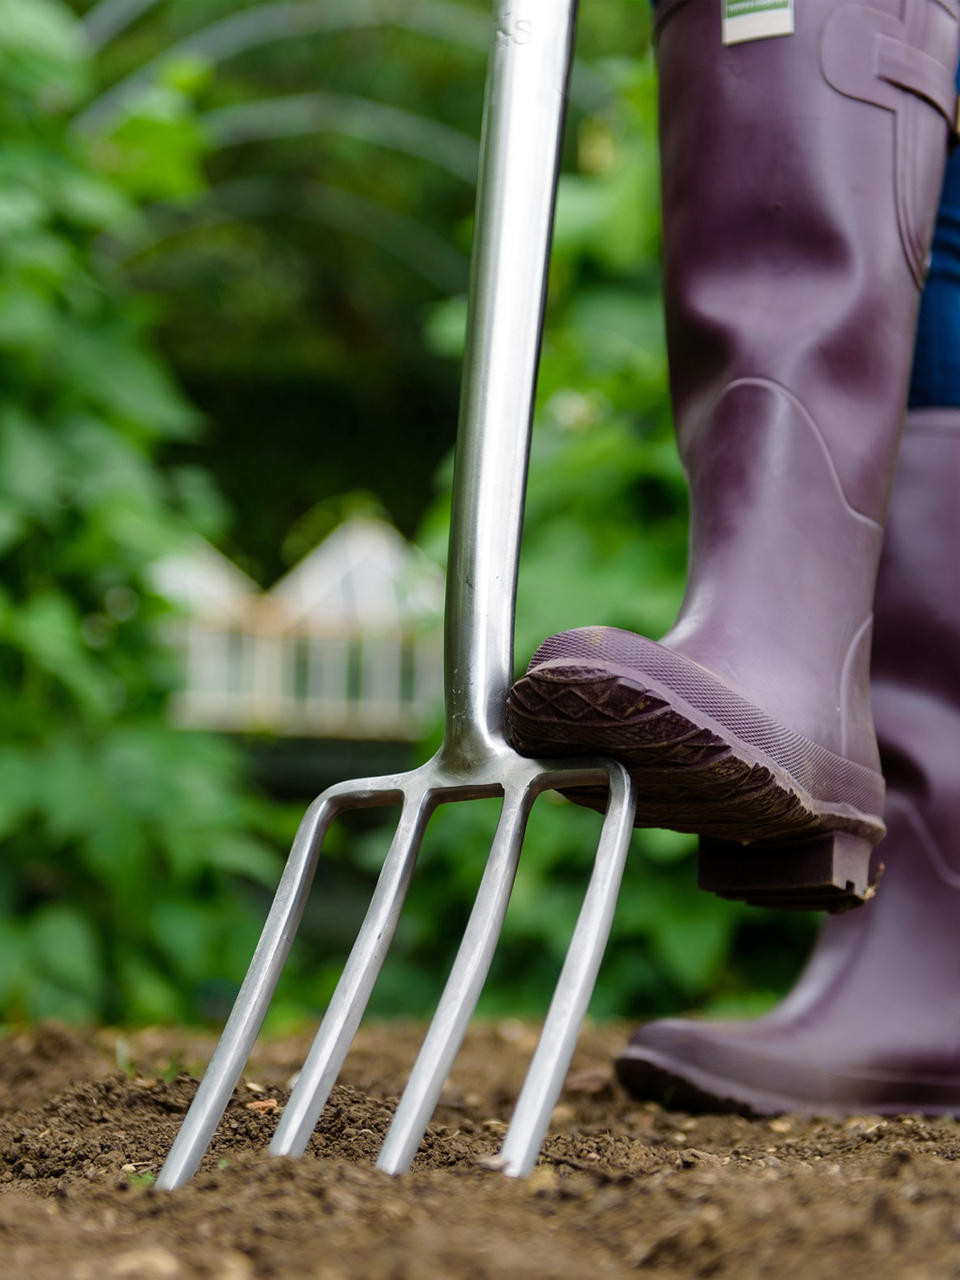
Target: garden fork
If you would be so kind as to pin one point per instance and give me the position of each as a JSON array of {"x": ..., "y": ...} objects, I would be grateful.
[{"x": 529, "y": 68}]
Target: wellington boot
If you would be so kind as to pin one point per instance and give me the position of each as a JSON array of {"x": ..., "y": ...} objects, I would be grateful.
[
  {"x": 800, "y": 183},
  {"x": 873, "y": 1024}
]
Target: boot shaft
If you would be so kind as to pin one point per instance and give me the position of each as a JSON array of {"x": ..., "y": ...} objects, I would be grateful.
[
  {"x": 796, "y": 228},
  {"x": 916, "y": 652},
  {"x": 800, "y": 183},
  {"x": 917, "y": 606}
]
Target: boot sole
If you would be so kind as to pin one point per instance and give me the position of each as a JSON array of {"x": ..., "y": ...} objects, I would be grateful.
[
  {"x": 809, "y": 847},
  {"x": 650, "y": 1076}
]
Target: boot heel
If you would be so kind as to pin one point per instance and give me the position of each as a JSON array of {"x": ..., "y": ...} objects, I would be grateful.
[{"x": 828, "y": 872}]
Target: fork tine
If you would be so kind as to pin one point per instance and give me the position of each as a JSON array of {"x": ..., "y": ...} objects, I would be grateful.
[
  {"x": 547, "y": 1071},
  {"x": 455, "y": 1009},
  {"x": 250, "y": 1007},
  {"x": 349, "y": 1001}
]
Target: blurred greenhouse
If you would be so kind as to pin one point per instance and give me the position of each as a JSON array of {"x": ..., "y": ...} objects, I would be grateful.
[
  {"x": 234, "y": 250},
  {"x": 345, "y": 645}
]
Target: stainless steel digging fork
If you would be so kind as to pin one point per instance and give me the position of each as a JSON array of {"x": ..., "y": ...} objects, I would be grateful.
[{"x": 523, "y": 122}]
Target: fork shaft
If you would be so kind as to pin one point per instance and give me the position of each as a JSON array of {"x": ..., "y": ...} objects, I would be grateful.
[
  {"x": 460, "y": 995},
  {"x": 519, "y": 164}
]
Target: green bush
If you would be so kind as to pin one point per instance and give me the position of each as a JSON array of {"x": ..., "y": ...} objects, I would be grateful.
[{"x": 125, "y": 843}]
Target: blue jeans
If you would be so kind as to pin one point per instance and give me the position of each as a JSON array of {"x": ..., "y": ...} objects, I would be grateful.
[{"x": 935, "y": 381}]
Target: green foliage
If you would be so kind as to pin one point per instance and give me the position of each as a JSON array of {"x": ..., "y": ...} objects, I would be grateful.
[
  {"x": 155, "y": 149},
  {"x": 39, "y": 62},
  {"x": 125, "y": 843}
]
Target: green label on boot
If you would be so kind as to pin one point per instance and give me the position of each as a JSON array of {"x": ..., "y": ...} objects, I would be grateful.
[{"x": 756, "y": 19}]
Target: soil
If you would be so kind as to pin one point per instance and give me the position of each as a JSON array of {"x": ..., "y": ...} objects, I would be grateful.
[{"x": 623, "y": 1187}]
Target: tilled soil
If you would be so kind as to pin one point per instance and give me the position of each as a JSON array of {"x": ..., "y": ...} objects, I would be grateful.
[{"x": 623, "y": 1187}]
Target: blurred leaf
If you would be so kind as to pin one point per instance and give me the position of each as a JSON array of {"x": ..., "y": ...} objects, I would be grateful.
[
  {"x": 29, "y": 461},
  {"x": 110, "y": 369},
  {"x": 148, "y": 995},
  {"x": 18, "y": 787},
  {"x": 41, "y": 52},
  {"x": 66, "y": 950},
  {"x": 247, "y": 858},
  {"x": 446, "y": 327},
  {"x": 48, "y": 631},
  {"x": 667, "y": 846},
  {"x": 13, "y": 527},
  {"x": 20, "y": 211},
  {"x": 14, "y": 962},
  {"x": 694, "y": 939}
]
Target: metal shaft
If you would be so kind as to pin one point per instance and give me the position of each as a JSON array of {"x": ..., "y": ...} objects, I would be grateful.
[{"x": 519, "y": 166}]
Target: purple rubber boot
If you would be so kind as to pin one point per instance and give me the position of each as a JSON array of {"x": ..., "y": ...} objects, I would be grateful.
[
  {"x": 873, "y": 1024},
  {"x": 801, "y": 176}
]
